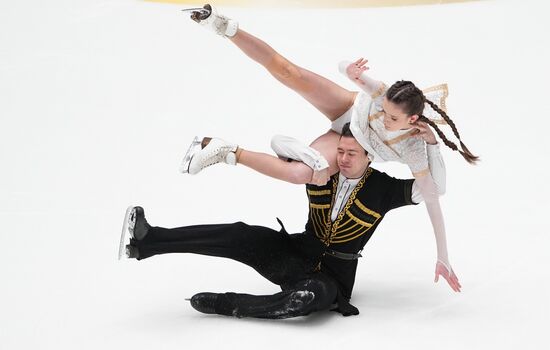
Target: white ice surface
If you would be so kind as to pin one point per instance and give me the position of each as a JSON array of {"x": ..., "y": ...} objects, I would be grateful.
[{"x": 99, "y": 100}]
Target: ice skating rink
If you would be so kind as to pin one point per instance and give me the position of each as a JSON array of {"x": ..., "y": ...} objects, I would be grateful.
[{"x": 100, "y": 99}]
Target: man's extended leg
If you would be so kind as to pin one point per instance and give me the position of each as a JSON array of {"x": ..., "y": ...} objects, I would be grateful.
[
  {"x": 268, "y": 251},
  {"x": 314, "y": 164},
  {"x": 315, "y": 293},
  {"x": 277, "y": 256}
]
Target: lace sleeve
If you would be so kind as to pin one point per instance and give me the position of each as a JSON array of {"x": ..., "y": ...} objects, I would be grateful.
[{"x": 415, "y": 156}]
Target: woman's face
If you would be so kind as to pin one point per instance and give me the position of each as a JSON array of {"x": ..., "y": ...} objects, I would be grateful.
[{"x": 394, "y": 118}]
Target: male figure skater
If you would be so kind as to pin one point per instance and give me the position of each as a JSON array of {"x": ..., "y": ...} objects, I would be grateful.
[{"x": 316, "y": 268}]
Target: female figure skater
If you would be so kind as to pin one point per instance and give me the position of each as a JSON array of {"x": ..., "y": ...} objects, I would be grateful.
[{"x": 388, "y": 122}]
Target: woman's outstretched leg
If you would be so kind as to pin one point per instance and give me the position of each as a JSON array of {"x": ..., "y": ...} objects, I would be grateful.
[
  {"x": 301, "y": 171},
  {"x": 329, "y": 98}
]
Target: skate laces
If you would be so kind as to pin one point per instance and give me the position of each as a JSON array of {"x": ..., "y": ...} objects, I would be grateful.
[
  {"x": 216, "y": 155},
  {"x": 220, "y": 22}
]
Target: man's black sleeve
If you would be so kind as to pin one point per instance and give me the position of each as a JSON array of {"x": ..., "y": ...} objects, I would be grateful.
[{"x": 399, "y": 193}]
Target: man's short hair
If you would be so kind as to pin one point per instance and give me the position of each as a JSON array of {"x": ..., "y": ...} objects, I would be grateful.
[{"x": 346, "y": 132}]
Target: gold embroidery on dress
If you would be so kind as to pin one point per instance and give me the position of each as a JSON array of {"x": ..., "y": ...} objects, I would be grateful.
[
  {"x": 422, "y": 173},
  {"x": 380, "y": 91},
  {"x": 375, "y": 116},
  {"x": 400, "y": 138}
]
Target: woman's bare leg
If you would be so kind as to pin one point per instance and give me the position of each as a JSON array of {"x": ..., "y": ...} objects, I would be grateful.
[
  {"x": 327, "y": 145},
  {"x": 293, "y": 172},
  {"x": 329, "y": 98}
]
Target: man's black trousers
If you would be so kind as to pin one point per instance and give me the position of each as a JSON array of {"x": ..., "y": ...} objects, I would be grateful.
[{"x": 287, "y": 260}]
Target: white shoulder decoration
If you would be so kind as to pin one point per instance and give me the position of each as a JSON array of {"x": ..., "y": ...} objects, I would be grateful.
[{"x": 438, "y": 95}]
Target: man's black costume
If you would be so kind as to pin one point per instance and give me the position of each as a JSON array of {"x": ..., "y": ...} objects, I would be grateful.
[{"x": 315, "y": 269}]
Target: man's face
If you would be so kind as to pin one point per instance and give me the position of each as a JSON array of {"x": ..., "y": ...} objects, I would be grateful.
[{"x": 352, "y": 158}]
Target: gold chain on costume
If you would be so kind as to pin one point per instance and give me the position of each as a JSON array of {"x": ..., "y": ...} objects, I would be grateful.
[{"x": 330, "y": 227}]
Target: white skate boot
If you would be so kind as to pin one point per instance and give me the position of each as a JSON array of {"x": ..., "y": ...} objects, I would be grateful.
[
  {"x": 208, "y": 17},
  {"x": 210, "y": 151}
]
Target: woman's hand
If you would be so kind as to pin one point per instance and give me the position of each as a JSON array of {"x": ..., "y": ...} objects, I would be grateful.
[
  {"x": 447, "y": 272},
  {"x": 320, "y": 177},
  {"x": 355, "y": 70},
  {"x": 424, "y": 132}
]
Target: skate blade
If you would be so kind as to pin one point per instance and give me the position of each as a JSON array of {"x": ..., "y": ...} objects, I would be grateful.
[
  {"x": 196, "y": 9},
  {"x": 184, "y": 167},
  {"x": 200, "y": 10},
  {"x": 125, "y": 224}
]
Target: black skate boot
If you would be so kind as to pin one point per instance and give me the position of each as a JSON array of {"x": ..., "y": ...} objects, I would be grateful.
[
  {"x": 132, "y": 252},
  {"x": 138, "y": 227},
  {"x": 134, "y": 223},
  {"x": 204, "y": 302}
]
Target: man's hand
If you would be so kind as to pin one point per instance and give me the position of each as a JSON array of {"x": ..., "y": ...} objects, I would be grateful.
[
  {"x": 355, "y": 70},
  {"x": 441, "y": 269}
]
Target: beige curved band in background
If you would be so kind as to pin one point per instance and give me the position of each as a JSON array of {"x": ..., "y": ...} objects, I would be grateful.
[{"x": 313, "y": 3}]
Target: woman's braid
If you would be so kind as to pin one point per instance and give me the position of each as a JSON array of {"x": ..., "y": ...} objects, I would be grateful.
[
  {"x": 412, "y": 101},
  {"x": 470, "y": 158}
]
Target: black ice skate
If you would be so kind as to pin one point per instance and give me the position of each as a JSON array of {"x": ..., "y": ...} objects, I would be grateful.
[
  {"x": 135, "y": 224},
  {"x": 204, "y": 302}
]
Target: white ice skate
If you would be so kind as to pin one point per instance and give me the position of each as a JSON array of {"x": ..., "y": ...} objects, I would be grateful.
[
  {"x": 201, "y": 155},
  {"x": 127, "y": 227},
  {"x": 208, "y": 17},
  {"x": 195, "y": 147}
]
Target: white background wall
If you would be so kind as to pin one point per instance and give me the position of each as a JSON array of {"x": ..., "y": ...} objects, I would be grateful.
[{"x": 99, "y": 100}]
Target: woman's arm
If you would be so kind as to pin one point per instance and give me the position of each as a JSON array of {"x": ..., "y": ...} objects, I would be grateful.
[
  {"x": 429, "y": 192},
  {"x": 435, "y": 161},
  {"x": 437, "y": 170},
  {"x": 356, "y": 72}
]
